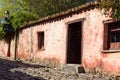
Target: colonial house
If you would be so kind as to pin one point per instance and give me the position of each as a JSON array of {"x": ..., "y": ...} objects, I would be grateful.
[{"x": 81, "y": 35}]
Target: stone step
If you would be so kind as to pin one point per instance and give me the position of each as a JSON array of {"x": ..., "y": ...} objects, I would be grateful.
[{"x": 73, "y": 68}]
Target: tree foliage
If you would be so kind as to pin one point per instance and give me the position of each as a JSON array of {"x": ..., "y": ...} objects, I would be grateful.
[
  {"x": 19, "y": 13},
  {"x": 114, "y": 5},
  {"x": 48, "y": 7},
  {"x": 23, "y": 11},
  {"x": 22, "y": 17}
]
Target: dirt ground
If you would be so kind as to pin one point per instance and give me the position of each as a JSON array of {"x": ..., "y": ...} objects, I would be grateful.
[{"x": 18, "y": 70}]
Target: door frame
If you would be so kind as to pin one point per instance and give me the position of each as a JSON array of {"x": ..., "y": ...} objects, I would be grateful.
[{"x": 67, "y": 25}]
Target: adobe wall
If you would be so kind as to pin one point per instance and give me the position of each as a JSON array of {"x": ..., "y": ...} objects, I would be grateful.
[
  {"x": 56, "y": 42},
  {"x": 4, "y": 48}
]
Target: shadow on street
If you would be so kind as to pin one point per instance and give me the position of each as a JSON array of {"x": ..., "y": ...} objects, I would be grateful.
[{"x": 7, "y": 65}]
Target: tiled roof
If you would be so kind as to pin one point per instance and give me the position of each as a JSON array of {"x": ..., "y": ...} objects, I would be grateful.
[{"x": 69, "y": 11}]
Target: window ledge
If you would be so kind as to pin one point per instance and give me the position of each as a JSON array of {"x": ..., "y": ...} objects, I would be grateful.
[
  {"x": 110, "y": 51},
  {"x": 41, "y": 49}
]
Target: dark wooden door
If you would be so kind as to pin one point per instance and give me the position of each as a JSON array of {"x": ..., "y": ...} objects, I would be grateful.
[{"x": 74, "y": 43}]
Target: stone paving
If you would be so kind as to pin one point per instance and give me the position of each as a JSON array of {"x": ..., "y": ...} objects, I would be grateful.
[
  {"x": 17, "y": 70},
  {"x": 6, "y": 72}
]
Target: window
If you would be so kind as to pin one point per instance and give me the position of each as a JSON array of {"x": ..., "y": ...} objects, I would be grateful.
[
  {"x": 112, "y": 36},
  {"x": 41, "y": 40}
]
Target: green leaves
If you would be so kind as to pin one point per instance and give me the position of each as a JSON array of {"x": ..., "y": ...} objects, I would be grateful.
[
  {"x": 48, "y": 7},
  {"x": 2, "y": 33},
  {"x": 22, "y": 17},
  {"x": 117, "y": 14},
  {"x": 114, "y": 5},
  {"x": 32, "y": 9},
  {"x": 23, "y": 11}
]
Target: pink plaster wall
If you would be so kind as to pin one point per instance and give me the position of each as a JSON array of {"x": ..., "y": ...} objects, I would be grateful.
[
  {"x": 56, "y": 42},
  {"x": 111, "y": 62}
]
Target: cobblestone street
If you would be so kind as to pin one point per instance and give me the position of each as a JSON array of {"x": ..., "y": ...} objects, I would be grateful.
[
  {"x": 17, "y": 70},
  {"x": 6, "y": 73}
]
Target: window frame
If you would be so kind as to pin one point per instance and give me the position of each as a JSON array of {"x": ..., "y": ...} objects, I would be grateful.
[
  {"x": 41, "y": 38},
  {"x": 108, "y": 30}
]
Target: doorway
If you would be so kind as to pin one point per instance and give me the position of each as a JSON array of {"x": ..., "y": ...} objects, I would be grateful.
[{"x": 74, "y": 43}]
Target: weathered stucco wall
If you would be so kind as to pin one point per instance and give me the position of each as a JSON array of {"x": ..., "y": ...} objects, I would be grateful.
[
  {"x": 111, "y": 62},
  {"x": 56, "y": 42},
  {"x": 4, "y": 48}
]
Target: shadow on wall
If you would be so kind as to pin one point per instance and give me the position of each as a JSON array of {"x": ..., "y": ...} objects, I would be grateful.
[
  {"x": 8, "y": 37},
  {"x": 7, "y": 65}
]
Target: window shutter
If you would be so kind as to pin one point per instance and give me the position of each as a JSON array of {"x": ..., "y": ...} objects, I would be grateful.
[{"x": 106, "y": 37}]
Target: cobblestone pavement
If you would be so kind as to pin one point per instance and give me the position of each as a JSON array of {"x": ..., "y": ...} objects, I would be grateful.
[{"x": 17, "y": 70}]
